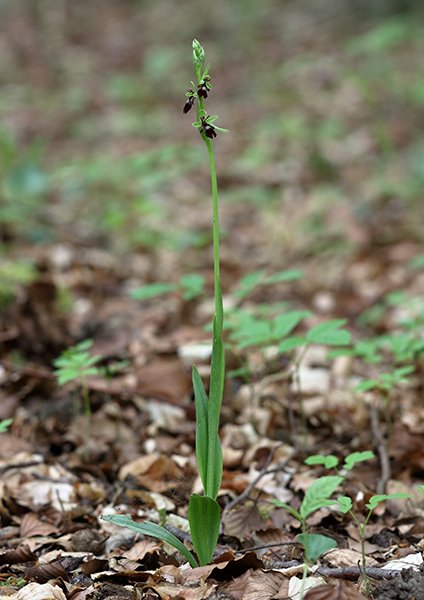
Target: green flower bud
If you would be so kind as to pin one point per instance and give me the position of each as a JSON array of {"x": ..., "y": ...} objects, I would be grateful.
[{"x": 198, "y": 57}]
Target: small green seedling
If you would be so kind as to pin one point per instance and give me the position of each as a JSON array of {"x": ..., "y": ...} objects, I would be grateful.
[
  {"x": 191, "y": 285},
  {"x": 5, "y": 424},
  {"x": 76, "y": 364},
  {"x": 204, "y": 514},
  {"x": 13, "y": 581},
  {"x": 332, "y": 462},
  {"x": 250, "y": 331},
  {"x": 385, "y": 384},
  {"x": 317, "y": 496},
  {"x": 345, "y": 506},
  {"x": 368, "y": 350},
  {"x": 252, "y": 281}
]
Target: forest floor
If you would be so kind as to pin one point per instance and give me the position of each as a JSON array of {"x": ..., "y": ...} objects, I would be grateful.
[{"x": 105, "y": 193}]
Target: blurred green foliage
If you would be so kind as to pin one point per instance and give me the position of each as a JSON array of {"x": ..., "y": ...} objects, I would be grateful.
[{"x": 23, "y": 187}]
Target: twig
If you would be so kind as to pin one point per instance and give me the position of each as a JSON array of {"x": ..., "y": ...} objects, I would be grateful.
[
  {"x": 292, "y": 422},
  {"x": 354, "y": 572},
  {"x": 266, "y": 546},
  {"x": 382, "y": 451},
  {"x": 264, "y": 471},
  {"x": 96, "y": 385}
]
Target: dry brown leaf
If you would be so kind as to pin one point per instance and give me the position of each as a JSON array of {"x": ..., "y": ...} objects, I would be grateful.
[
  {"x": 344, "y": 557},
  {"x": 88, "y": 540},
  {"x": 140, "y": 549},
  {"x": 44, "y": 573},
  {"x": 328, "y": 592},
  {"x": 262, "y": 586},
  {"x": 222, "y": 571},
  {"x": 164, "y": 377},
  {"x": 241, "y": 521},
  {"x": 158, "y": 472},
  {"x": 37, "y": 591},
  {"x": 20, "y": 555},
  {"x": 32, "y": 526}
]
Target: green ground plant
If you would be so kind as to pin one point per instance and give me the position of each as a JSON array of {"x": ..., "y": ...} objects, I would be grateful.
[
  {"x": 13, "y": 581},
  {"x": 23, "y": 188},
  {"x": 345, "y": 506},
  {"x": 264, "y": 332},
  {"x": 317, "y": 496},
  {"x": 204, "y": 513},
  {"x": 191, "y": 285},
  {"x": 76, "y": 364},
  {"x": 332, "y": 462},
  {"x": 13, "y": 273},
  {"x": 385, "y": 384},
  {"x": 5, "y": 424}
]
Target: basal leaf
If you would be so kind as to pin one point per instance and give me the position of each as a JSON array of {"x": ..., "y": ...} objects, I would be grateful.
[
  {"x": 214, "y": 469},
  {"x": 201, "y": 401},
  {"x": 204, "y": 516},
  {"x": 154, "y": 530}
]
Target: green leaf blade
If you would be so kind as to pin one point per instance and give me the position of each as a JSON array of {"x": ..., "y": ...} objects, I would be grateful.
[
  {"x": 154, "y": 530},
  {"x": 318, "y": 493},
  {"x": 284, "y": 324},
  {"x": 291, "y": 343},
  {"x": 204, "y": 516},
  {"x": 329, "y": 461},
  {"x": 152, "y": 290},
  {"x": 201, "y": 401},
  {"x": 315, "y": 544},
  {"x": 329, "y": 333}
]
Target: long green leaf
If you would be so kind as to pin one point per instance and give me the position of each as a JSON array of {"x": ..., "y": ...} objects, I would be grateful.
[
  {"x": 204, "y": 516},
  {"x": 154, "y": 530},
  {"x": 214, "y": 470},
  {"x": 201, "y": 401}
]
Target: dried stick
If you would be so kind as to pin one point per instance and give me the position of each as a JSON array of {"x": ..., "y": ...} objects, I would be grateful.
[
  {"x": 382, "y": 451},
  {"x": 264, "y": 471}
]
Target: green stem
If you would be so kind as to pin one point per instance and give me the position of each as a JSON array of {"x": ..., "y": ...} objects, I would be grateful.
[
  {"x": 362, "y": 532},
  {"x": 214, "y": 468},
  {"x": 219, "y": 312},
  {"x": 305, "y": 567},
  {"x": 302, "y": 588}
]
